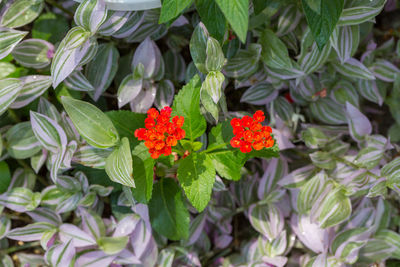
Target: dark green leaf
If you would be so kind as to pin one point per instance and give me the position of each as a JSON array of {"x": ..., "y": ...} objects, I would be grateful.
[
  {"x": 50, "y": 27},
  {"x": 5, "y": 176},
  {"x": 168, "y": 214},
  {"x": 172, "y": 8},
  {"x": 212, "y": 17}
]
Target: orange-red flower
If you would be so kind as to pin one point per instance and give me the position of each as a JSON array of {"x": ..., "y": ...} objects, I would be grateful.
[
  {"x": 160, "y": 134},
  {"x": 250, "y": 134}
]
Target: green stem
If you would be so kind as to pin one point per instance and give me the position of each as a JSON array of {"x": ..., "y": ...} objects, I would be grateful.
[
  {"x": 23, "y": 247},
  {"x": 209, "y": 150},
  {"x": 57, "y": 5}
]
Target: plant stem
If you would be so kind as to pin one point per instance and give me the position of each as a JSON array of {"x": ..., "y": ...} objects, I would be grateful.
[
  {"x": 208, "y": 150},
  {"x": 24, "y": 246},
  {"x": 354, "y": 166},
  {"x": 57, "y": 5}
]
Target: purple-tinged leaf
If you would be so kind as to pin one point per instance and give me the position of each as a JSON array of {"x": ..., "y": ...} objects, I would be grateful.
[
  {"x": 148, "y": 54},
  {"x": 68, "y": 202},
  {"x": 222, "y": 241},
  {"x": 78, "y": 82},
  {"x": 60, "y": 255},
  {"x": 267, "y": 220},
  {"x": 9, "y": 38},
  {"x": 259, "y": 94},
  {"x": 94, "y": 258},
  {"x": 112, "y": 245},
  {"x": 92, "y": 223},
  {"x": 165, "y": 94},
  {"x": 277, "y": 261},
  {"x": 22, "y": 178},
  {"x": 277, "y": 168},
  {"x": 33, "y": 53},
  {"x": 359, "y": 125},
  {"x": 129, "y": 88},
  {"x": 9, "y": 91},
  {"x": 21, "y": 141},
  {"x": 114, "y": 21},
  {"x": 91, "y": 157},
  {"x": 90, "y": 14},
  {"x": 134, "y": 21},
  {"x": 78, "y": 236},
  {"x": 144, "y": 100},
  {"x": 45, "y": 107},
  {"x": 126, "y": 226},
  {"x": 45, "y": 215},
  {"x": 31, "y": 232},
  {"x": 33, "y": 86},
  {"x": 347, "y": 42},
  {"x": 384, "y": 70},
  {"x": 353, "y": 68},
  {"x": 20, "y": 199},
  {"x": 127, "y": 257},
  {"x": 196, "y": 228},
  {"x": 166, "y": 257},
  {"x": 68, "y": 184},
  {"x": 288, "y": 20}
]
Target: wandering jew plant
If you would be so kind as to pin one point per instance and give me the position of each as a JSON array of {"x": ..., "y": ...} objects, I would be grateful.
[{"x": 199, "y": 133}]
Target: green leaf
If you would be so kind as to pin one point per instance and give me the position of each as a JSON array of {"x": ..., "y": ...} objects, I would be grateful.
[
  {"x": 119, "y": 164},
  {"x": 196, "y": 176},
  {"x": 215, "y": 56},
  {"x": 126, "y": 123},
  {"x": 310, "y": 192},
  {"x": 168, "y": 214},
  {"x": 198, "y": 47},
  {"x": 5, "y": 176},
  {"x": 21, "y": 141},
  {"x": 172, "y": 8},
  {"x": 227, "y": 161},
  {"x": 112, "y": 245},
  {"x": 274, "y": 52},
  {"x": 212, "y": 17},
  {"x": 143, "y": 166},
  {"x": 322, "y": 24},
  {"x": 50, "y": 27},
  {"x": 21, "y": 12},
  {"x": 9, "y": 90},
  {"x": 213, "y": 85},
  {"x": 94, "y": 126},
  {"x": 187, "y": 104},
  {"x": 237, "y": 14}
]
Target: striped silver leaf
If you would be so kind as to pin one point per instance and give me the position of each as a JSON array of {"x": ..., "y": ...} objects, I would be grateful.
[
  {"x": 144, "y": 100},
  {"x": 267, "y": 220},
  {"x": 101, "y": 70},
  {"x": 48, "y": 132},
  {"x": 215, "y": 58},
  {"x": 348, "y": 38},
  {"x": 21, "y": 141},
  {"x": 245, "y": 63},
  {"x": 359, "y": 14},
  {"x": 90, "y": 14},
  {"x": 370, "y": 91},
  {"x": 175, "y": 66},
  {"x": 33, "y": 87},
  {"x": 61, "y": 255},
  {"x": 273, "y": 248},
  {"x": 277, "y": 168},
  {"x": 22, "y": 178},
  {"x": 306, "y": 87},
  {"x": 166, "y": 257},
  {"x": 129, "y": 88},
  {"x": 68, "y": 184},
  {"x": 343, "y": 92},
  {"x": 94, "y": 258},
  {"x": 283, "y": 108},
  {"x": 359, "y": 125},
  {"x": 21, "y": 12},
  {"x": 78, "y": 82},
  {"x": 31, "y": 232},
  {"x": 146, "y": 29},
  {"x": 91, "y": 157},
  {"x": 392, "y": 238},
  {"x": 48, "y": 109},
  {"x": 45, "y": 215},
  {"x": 213, "y": 85},
  {"x": 69, "y": 128},
  {"x": 114, "y": 21},
  {"x": 286, "y": 74},
  {"x": 131, "y": 25},
  {"x": 9, "y": 39},
  {"x": 20, "y": 199},
  {"x": 297, "y": 177},
  {"x": 70, "y": 53},
  {"x": 328, "y": 111},
  {"x": 311, "y": 191},
  {"x": 334, "y": 209},
  {"x": 148, "y": 54},
  {"x": 78, "y": 236},
  {"x": 33, "y": 53},
  {"x": 68, "y": 202},
  {"x": 323, "y": 160},
  {"x": 384, "y": 70},
  {"x": 259, "y": 94},
  {"x": 119, "y": 164},
  {"x": 92, "y": 223},
  {"x": 315, "y": 58},
  {"x": 288, "y": 20},
  {"x": 165, "y": 94},
  {"x": 9, "y": 91}
]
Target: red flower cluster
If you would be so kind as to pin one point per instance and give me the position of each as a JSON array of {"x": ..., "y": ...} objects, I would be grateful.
[
  {"x": 160, "y": 134},
  {"x": 249, "y": 133}
]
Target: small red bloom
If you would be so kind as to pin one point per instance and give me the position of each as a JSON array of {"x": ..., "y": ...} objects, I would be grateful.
[
  {"x": 250, "y": 134},
  {"x": 160, "y": 134}
]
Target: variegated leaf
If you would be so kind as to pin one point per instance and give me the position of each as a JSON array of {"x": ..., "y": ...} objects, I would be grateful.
[
  {"x": 314, "y": 59},
  {"x": 297, "y": 177},
  {"x": 384, "y": 70},
  {"x": 92, "y": 223},
  {"x": 323, "y": 160},
  {"x": 343, "y": 92},
  {"x": 119, "y": 164},
  {"x": 73, "y": 50},
  {"x": 101, "y": 71},
  {"x": 288, "y": 20},
  {"x": 9, "y": 91},
  {"x": 129, "y": 88},
  {"x": 311, "y": 191},
  {"x": 60, "y": 255},
  {"x": 114, "y": 21},
  {"x": 274, "y": 52},
  {"x": 286, "y": 74},
  {"x": 359, "y": 125},
  {"x": 213, "y": 85},
  {"x": 48, "y": 132},
  {"x": 148, "y": 54},
  {"x": 91, "y": 157},
  {"x": 21, "y": 141},
  {"x": 9, "y": 39},
  {"x": 94, "y": 258},
  {"x": 144, "y": 100},
  {"x": 267, "y": 220},
  {"x": 90, "y": 14},
  {"x": 353, "y": 68},
  {"x": 328, "y": 111},
  {"x": 215, "y": 58},
  {"x": 31, "y": 232},
  {"x": 370, "y": 91},
  {"x": 78, "y": 236},
  {"x": 33, "y": 53},
  {"x": 165, "y": 94},
  {"x": 21, "y": 12},
  {"x": 283, "y": 108},
  {"x": 48, "y": 109},
  {"x": 359, "y": 14},
  {"x": 22, "y": 178},
  {"x": 78, "y": 82},
  {"x": 134, "y": 21},
  {"x": 20, "y": 199},
  {"x": 33, "y": 86},
  {"x": 45, "y": 215},
  {"x": 277, "y": 168},
  {"x": 175, "y": 66},
  {"x": 347, "y": 42},
  {"x": 245, "y": 63},
  {"x": 260, "y": 94}
]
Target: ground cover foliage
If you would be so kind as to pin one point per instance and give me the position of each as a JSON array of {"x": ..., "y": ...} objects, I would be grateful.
[{"x": 201, "y": 133}]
